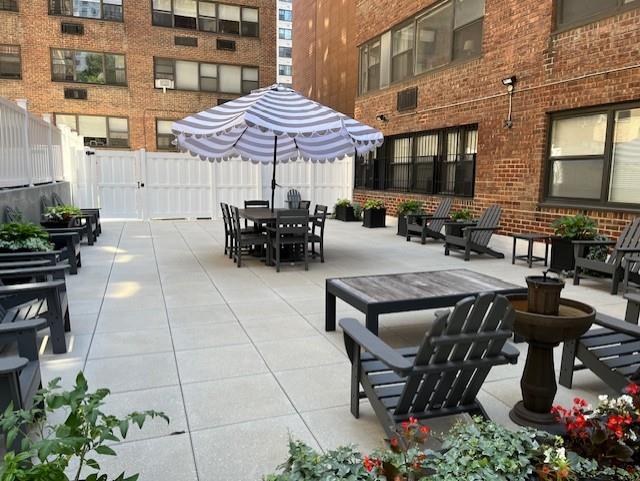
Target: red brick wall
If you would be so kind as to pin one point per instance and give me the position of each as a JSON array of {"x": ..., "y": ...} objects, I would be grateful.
[
  {"x": 325, "y": 58},
  {"x": 37, "y": 32},
  {"x": 555, "y": 72}
]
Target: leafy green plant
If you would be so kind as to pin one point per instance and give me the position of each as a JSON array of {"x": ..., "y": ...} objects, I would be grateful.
[
  {"x": 578, "y": 227},
  {"x": 304, "y": 464},
  {"x": 50, "y": 451},
  {"x": 15, "y": 236},
  {"x": 462, "y": 215},
  {"x": 343, "y": 203},
  {"x": 373, "y": 204},
  {"x": 61, "y": 213},
  {"x": 409, "y": 207},
  {"x": 357, "y": 211}
]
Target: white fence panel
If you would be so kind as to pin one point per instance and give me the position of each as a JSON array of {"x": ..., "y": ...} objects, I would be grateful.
[
  {"x": 31, "y": 149},
  {"x": 117, "y": 180},
  {"x": 176, "y": 185},
  {"x": 234, "y": 182}
]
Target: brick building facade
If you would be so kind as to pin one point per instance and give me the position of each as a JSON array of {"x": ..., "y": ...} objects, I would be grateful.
[
  {"x": 325, "y": 53},
  {"x": 558, "y": 157},
  {"x": 228, "y": 49}
]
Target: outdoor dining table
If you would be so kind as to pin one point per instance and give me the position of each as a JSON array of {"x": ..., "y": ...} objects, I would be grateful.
[
  {"x": 264, "y": 215},
  {"x": 412, "y": 291}
]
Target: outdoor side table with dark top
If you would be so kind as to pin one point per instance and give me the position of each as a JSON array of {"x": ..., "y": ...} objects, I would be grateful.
[
  {"x": 411, "y": 291},
  {"x": 531, "y": 237}
]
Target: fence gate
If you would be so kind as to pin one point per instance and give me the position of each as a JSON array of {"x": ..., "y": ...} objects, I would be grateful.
[{"x": 120, "y": 185}]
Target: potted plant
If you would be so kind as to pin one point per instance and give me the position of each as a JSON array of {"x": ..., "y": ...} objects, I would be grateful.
[
  {"x": 374, "y": 213},
  {"x": 567, "y": 229},
  {"x": 65, "y": 450},
  {"x": 60, "y": 216},
  {"x": 460, "y": 219},
  {"x": 344, "y": 210},
  {"x": 404, "y": 208},
  {"x": 23, "y": 237}
]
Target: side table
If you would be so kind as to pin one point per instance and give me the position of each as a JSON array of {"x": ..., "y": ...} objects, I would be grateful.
[{"x": 531, "y": 237}]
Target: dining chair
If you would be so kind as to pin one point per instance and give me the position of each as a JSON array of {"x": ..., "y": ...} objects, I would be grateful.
[
  {"x": 291, "y": 229},
  {"x": 228, "y": 230},
  {"x": 255, "y": 204},
  {"x": 318, "y": 222},
  {"x": 243, "y": 238},
  {"x": 305, "y": 204}
]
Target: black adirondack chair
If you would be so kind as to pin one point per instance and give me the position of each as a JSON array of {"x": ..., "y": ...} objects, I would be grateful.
[
  {"x": 44, "y": 297},
  {"x": 244, "y": 239},
  {"x": 66, "y": 242},
  {"x": 290, "y": 229},
  {"x": 613, "y": 266},
  {"x": 429, "y": 225},
  {"x": 443, "y": 375},
  {"x": 476, "y": 238},
  {"x": 93, "y": 212},
  {"x": 83, "y": 225},
  {"x": 318, "y": 236},
  {"x": 293, "y": 199},
  {"x": 611, "y": 351}
]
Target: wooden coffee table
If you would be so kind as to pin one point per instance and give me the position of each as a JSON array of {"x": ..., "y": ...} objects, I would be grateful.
[{"x": 412, "y": 291}]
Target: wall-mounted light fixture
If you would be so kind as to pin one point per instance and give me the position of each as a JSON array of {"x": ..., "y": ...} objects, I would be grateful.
[
  {"x": 510, "y": 83},
  {"x": 382, "y": 118}
]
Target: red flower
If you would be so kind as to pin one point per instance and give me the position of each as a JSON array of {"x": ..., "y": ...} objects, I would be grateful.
[
  {"x": 633, "y": 389},
  {"x": 371, "y": 463},
  {"x": 425, "y": 429},
  {"x": 394, "y": 442}
]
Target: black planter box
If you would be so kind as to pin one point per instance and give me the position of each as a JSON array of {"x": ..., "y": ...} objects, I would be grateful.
[
  {"x": 562, "y": 257},
  {"x": 374, "y": 218},
  {"x": 63, "y": 224},
  {"x": 345, "y": 213},
  {"x": 402, "y": 225},
  {"x": 455, "y": 229}
]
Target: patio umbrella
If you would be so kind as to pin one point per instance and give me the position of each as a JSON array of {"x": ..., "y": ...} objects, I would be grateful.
[{"x": 273, "y": 124}]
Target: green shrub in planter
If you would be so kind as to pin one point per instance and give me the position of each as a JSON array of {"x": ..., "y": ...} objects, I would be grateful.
[
  {"x": 17, "y": 237},
  {"x": 52, "y": 450},
  {"x": 461, "y": 215},
  {"x": 565, "y": 230},
  {"x": 344, "y": 210},
  {"x": 61, "y": 213},
  {"x": 374, "y": 213},
  {"x": 407, "y": 207}
]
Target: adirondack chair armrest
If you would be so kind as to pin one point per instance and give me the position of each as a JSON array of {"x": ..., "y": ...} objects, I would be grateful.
[
  {"x": 618, "y": 325},
  {"x": 23, "y": 325},
  {"x": 12, "y": 364},
  {"x": 631, "y": 297},
  {"x": 462, "y": 224},
  {"x": 30, "y": 287},
  {"x": 473, "y": 227},
  {"x": 629, "y": 250},
  {"x": 67, "y": 231},
  {"x": 371, "y": 343},
  {"x": 417, "y": 216},
  {"x": 33, "y": 270},
  {"x": 8, "y": 256},
  {"x": 510, "y": 352}
]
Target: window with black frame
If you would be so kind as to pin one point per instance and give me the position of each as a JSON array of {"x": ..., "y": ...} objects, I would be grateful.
[
  {"x": 98, "y": 9},
  {"x": 9, "y": 5},
  {"x": 97, "y": 130},
  {"x": 577, "y": 12},
  {"x": 206, "y": 16},
  {"x": 164, "y": 136},
  {"x": 594, "y": 156},
  {"x": 433, "y": 162},
  {"x": 88, "y": 67},
  {"x": 10, "y": 62}
]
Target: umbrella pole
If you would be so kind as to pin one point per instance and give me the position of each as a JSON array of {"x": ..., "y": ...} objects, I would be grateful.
[{"x": 273, "y": 178}]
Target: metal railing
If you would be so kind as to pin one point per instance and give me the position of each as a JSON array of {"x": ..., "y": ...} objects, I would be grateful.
[{"x": 32, "y": 149}]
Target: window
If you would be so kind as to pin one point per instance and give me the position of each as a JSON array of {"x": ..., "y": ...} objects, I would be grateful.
[
  {"x": 164, "y": 136},
  {"x": 207, "y": 77},
  {"x": 284, "y": 33},
  {"x": 449, "y": 32},
  {"x": 594, "y": 156},
  {"x": 98, "y": 131},
  {"x": 284, "y": 52},
  {"x": 434, "y": 162},
  {"x": 10, "y": 62},
  {"x": 285, "y": 15},
  {"x": 575, "y": 12},
  {"x": 206, "y": 16},
  {"x": 99, "y": 9},
  {"x": 88, "y": 67},
  {"x": 284, "y": 70},
  {"x": 10, "y": 5}
]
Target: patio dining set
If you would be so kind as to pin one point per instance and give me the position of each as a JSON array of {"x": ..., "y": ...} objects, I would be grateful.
[{"x": 278, "y": 235}]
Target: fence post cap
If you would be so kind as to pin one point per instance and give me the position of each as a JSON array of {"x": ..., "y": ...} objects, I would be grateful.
[{"x": 22, "y": 103}]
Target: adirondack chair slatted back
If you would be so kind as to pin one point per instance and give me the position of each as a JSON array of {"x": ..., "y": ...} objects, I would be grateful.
[
  {"x": 55, "y": 199},
  {"x": 442, "y": 211},
  {"x": 45, "y": 203},
  {"x": 451, "y": 341},
  {"x": 489, "y": 218},
  {"x": 629, "y": 239},
  {"x": 12, "y": 215},
  {"x": 293, "y": 199}
]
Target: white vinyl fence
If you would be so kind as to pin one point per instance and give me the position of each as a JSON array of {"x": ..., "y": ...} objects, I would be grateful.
[
  {"x": 149, "y": 185},
  {"x": 33, "y": 150}
]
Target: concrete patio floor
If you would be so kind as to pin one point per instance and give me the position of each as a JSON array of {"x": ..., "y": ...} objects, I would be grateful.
[{"x": 238, "y": 358}]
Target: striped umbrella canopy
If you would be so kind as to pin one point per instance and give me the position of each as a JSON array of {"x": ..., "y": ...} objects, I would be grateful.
[{"x": 273, "y": 124}]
